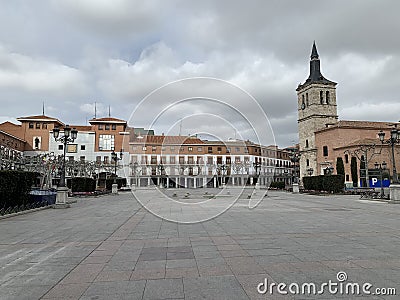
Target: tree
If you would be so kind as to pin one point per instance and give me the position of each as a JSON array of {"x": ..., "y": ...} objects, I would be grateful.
[
  {"x": 354, "y": 174},
  {"x": 340, "y": 166}
]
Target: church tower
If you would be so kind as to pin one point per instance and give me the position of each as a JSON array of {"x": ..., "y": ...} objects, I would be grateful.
[{"x": 316, "y": 106}]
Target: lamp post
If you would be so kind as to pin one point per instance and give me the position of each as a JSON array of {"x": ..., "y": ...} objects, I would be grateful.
[
  {"x": 115, "y": 158},
  {"x": 381, "y": 167},
  {"x": 393, "y": 140},
  {"x": 69, "y": 136},
  {"x": 394, "y": 189},
  {"x": 257, "y": 167},
  {"x": 161, "y": 168},
  {"x": 295, "y": 158}
]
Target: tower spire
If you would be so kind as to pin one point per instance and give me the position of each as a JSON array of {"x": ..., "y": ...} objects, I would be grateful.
[
  {"x": 314, "y": 52},
  {"x": 43, "y": 108}
]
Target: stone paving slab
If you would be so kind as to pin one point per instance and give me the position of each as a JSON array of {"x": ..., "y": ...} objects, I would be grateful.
[{"x": 111, "y": 248}]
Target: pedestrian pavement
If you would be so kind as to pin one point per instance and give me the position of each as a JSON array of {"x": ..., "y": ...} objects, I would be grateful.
[{"x": 111, "y": 247}]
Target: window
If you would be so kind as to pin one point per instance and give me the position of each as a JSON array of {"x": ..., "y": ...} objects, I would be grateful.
[
  {"x": 321, "y": 97},
  {"x": 134, "y": 148},
  {"x": 134, "y": 159},
  {"x": 154, "y": 148},
  {"x": 219, "y": 149},
  {"x": 106, "y": 159},
  {"x": 172, "y": 159},
  {"x": 82, "y": 158},
  {"x": 190, "y": 149},
  {"x": 237, "y": 149},
  {"x": 325, "y": 150},
  {"x": 36, "y": 141},
  {"x": 107, "y": 127},
  {"x": 190, "y": 160},
  {"x": 210, "y": 150},
  {"x": 113, "y": 127},
  {"x": 83, "y": 147},
  {"x": 37, "y": 125},
  {"x": 172, "y": 148},
  {"x": 346, "y": 158},
  {"x": 106, "y": 142},
  {"x": 308, "y": 162},
  {"x": 181, "y": 160},
  {"x": 347, "y": 177},
  {"x": 44, "y": 126},
  {"x": 246, "y": 150},
  {"x": 307, "y": 99},
  {"x": 327, "y": 97},
  {"x": 144, "y": 148},
  {"x": 163, "y": 159},
  {"x": 100, "y": 126},
  {"x": 209, "y": 160},
  {"x": 199, "y": 149},
  {"x": 154, "y": 160},
  {"x": 228, "y": 150},
  {"x": 60, "y": 147},
  {"x": 71, "y": 158},
  {"x": 181, "y": 149},
  {"x": 72, "y": 148},
  {"x": 302, "y": 98},
  {"x": 30, "y": 125},
  {"x": 98, "y": 159},
  {"x": 306, "y": 143}
]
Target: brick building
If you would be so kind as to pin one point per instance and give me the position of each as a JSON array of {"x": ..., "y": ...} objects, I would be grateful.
[{"x": 322, "y": 138}]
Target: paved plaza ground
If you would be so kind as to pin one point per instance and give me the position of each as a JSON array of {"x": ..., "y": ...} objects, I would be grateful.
[{"x": 110, "y": 247}]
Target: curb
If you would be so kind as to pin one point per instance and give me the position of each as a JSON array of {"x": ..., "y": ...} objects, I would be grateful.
[{"x": 24, "y": 212}]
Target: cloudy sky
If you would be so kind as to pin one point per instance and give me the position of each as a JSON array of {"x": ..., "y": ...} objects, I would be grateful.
[{"x": 72, "y": 53}]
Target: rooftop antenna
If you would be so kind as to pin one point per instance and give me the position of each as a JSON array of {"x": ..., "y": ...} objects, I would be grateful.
[
  {"x": 180, "y": 127},
  {"x": 95, "y": 110}
]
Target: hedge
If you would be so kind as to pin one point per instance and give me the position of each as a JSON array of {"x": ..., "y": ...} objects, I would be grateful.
[
  {"x": 81, "y": 184},
  {"x": 328, "y": 183},
  {"x": 277, "y": 185},
  {"x": 120, "y": 181},
  {"x": 15, "y": 187}
]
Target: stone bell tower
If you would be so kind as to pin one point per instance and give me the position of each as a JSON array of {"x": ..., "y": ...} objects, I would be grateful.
[{"x": 316, "y": 106}]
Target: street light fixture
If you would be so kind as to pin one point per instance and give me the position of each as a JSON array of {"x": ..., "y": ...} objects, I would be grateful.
[
  {"x": 393, "y": 140},
  {"x": 69, "y": 136},
  {"x": 115, "y": 158},
  {"x": 381, "y": 167}
]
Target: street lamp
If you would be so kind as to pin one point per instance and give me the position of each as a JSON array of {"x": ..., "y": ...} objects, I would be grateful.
[
  {"x": 161, "y": 168},
  {"x": 115, "y": 158},
  {"x": 69, "y": 136},
  {"x": 394, "y": 139},
  {"x": 381, "y": 167},
  {"x": 257, "y": 167}
]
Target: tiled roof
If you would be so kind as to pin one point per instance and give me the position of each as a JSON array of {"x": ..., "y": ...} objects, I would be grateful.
[
  {"x": 108, "y": 119},
  {"x": 359, "y": 124},
  {"x": 81, "y": 127},
  {"x": 167, "y": 140},
  {"x": 39, "y": 117}
]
